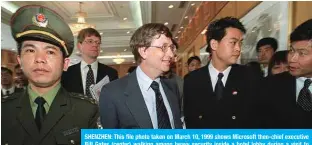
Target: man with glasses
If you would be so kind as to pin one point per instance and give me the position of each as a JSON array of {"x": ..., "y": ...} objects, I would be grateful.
[
  {"x": 79, "y": 77},
  {"x": 143, "y": 99},
  {"x": 288, "y": 98},
  {"x": 219, "y": 94}
]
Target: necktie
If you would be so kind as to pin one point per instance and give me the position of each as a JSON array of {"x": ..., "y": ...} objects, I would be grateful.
[
  {"x": 304, "y": 98},
  {"x": 219, "y": 86},
  {"x": 162, "y": 114},
  {"x": 89, "y": 81},
  {"x": 7, "y": 92},
  {"x": 40, "y": 113}
]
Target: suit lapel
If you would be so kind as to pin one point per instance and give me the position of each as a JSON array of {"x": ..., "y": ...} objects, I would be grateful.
[
  {"x": 231, "y": 83},
  {"x": 58, "y": 109},
  {"x": 136, "y": 103},
  {"x": 207, "y": 85},
  {"x": 174, "y": 106},
  {"x": 100, "y": 73},
  {"x": 26, "y": 117},
  {"x": 78, "y": 77}
]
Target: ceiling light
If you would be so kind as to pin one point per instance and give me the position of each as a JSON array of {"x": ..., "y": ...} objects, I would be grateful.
[
  {"x": 204, "y": 31},
  {"x": 166, "y": 23},
  {"x": 101, "y": 51},
  {"x": 170, "y": 6},
  {"x": 125, "y": 18},
  {"x": 185, "y": 17},
  {"x": 101, "y": 33},
  {"x": 181, "y": 27},
  {"x": 125, "y": 49},
  {"x": 193, "y": 4},
  {"x": 81, "y": 22},
  {"x": 118, "y": 60},
  {"x": 128, "y": 32}
]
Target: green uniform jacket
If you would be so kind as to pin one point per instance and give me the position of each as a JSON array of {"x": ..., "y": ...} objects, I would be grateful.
[{"x": 68, "y": 114}]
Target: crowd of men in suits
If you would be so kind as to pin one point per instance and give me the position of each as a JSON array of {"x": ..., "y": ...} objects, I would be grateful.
[{"x": 57, "y": 102}]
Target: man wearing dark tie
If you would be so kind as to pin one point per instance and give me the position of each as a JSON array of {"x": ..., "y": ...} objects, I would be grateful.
[
  {"x": 45, "y": 113},
  {"x": 219, "y": 94},
  {"x": 287, "y": 97},
  {"x": 79, "y": 77},
  {"x": 142, "y": 99}
]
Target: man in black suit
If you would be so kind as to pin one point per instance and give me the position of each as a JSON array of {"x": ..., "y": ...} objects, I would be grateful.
[
  {"x": 266, "y": 47},
  {"x": 7, "y": 85},
  {"x": 288, "y": 96},
  {"x": 45, "y": 113},
  {"x": 218, "y": 95},
  {"x": 142, "y": 99},
  {"x": 79, "y": 77}
]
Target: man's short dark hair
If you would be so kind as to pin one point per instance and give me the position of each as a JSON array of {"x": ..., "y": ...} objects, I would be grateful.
[
  {"x": 302, "y": 32},
  {"x": 217, "y": 29},
  {"x": 193, "y": 58},
  {"x": 87, "y": 32},
  {"x": 5, "y": 69},
  {"x": 267, "y": 41}
]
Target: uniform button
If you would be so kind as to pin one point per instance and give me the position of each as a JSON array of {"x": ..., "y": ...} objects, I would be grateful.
[
  {"x": 200, "y": 117},
  {"x": 72, "y": 141},
  {"x": 233, "y": 117}
]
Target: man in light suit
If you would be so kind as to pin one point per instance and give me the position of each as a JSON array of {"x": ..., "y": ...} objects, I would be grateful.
[
  {"x": 79, "y": 77},
  {"x": 142, "y": 99},
  {"x": 219, "y": 94},
  {"x": 287, "y": 96}
]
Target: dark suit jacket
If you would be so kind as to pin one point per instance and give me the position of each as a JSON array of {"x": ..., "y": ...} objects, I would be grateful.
[
  {"x": 279, "y": 106},
  {"x": 122, "y": 104},
  {"x": 68, "y": 114},
  {"x": 72, "y": 81},
  {"x": 203, "y": 110}
]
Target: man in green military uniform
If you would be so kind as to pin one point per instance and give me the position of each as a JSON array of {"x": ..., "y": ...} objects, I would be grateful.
[{"x": 45, "y": 113}]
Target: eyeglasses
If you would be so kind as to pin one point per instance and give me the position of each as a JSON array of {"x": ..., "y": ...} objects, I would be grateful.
[
  {"x": 90, "y": 41},
  {"x": 165, "y": 48}
]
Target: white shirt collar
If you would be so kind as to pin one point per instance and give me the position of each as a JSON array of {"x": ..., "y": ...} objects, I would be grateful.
[
  {"x": 214, "y": 73},
  {"x": 94, "y": 65},
  {"x": 144, "y": 79}
]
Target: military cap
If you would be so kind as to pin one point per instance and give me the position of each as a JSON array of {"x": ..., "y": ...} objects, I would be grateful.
[{"x": 35, "y": 22}]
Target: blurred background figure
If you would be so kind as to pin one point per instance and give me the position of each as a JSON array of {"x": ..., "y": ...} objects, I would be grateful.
[
  {"x": 20, "y": 79},
  {"x": 131, "y": 69},
  {"x": 255, "y": 67},
  {"x": 7, "y": 85},
  {"x": 265, "y": 49},
  {"x": 193, "y": 63},
  {"x": 278, "y": 63}
]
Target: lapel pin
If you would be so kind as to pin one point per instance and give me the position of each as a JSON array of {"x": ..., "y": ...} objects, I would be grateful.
[
  {"x": 234, "y": 93},
  {"x": 200, "y": 117}
]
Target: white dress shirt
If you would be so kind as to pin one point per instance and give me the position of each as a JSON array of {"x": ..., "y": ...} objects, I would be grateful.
[
  {"x": 84, "y": 70},
  {"x": 149, "y": 97},
  {"x": 214, "y": 74},
  {"x": 11, "y": 90},
  {"x": 265, "y": 71},
  {"x": 300, "y": 84}
]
